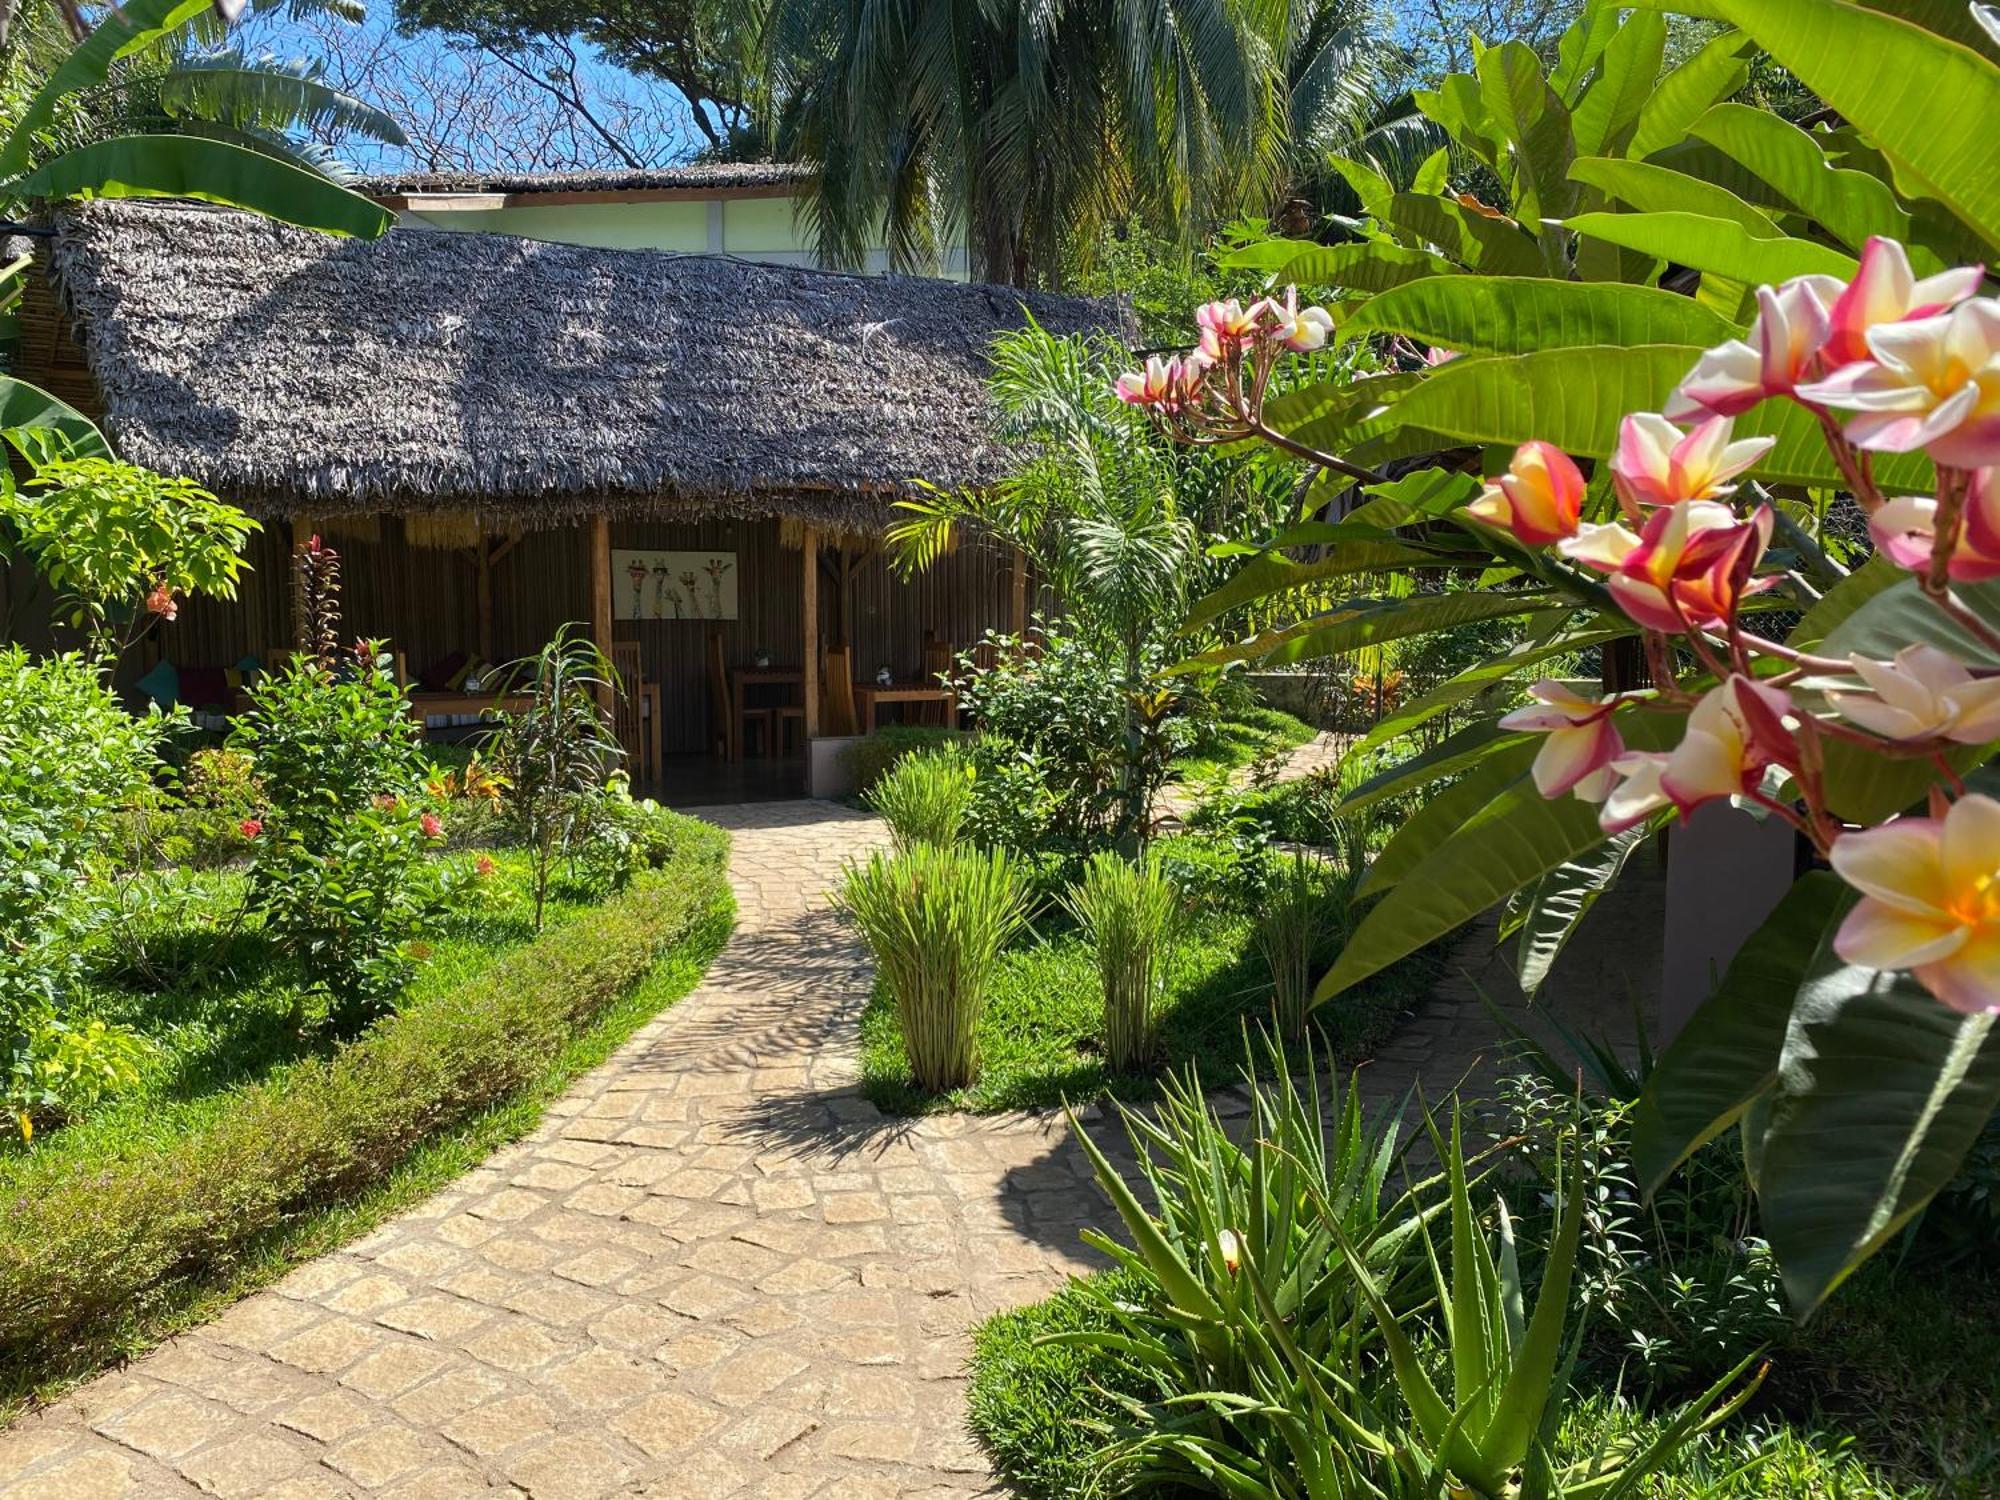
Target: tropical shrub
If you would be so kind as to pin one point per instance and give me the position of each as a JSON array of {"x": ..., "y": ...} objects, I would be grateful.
[
  {"x": 1743, "y": 659},
  {"x": 1129, "y": 910},
  {"x": 869, "y": 758},
  {"x": 1061, "y": 750},
  {"x": 935, "y": 919},
  {"x": 557, "y": 754},
  {"x": 924, "y": 797},
  {"x": 220, "y": 794},
  {"x": 70, "y": 759},
  {"x": 121, "y": 545}
]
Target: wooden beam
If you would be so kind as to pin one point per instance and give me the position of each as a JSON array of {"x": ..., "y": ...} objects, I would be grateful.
[
  {"x": 483, "y": 560},
  {"x": 809, "y": 606},
  {"x": 1018, "y": 615},
  {"x": 600, "y": 596}
]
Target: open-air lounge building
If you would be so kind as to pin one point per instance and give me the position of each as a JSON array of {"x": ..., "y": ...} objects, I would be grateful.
[{"x": 691, "y": 455}]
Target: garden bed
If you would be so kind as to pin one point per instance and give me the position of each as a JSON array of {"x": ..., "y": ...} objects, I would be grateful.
[
  {"x": 248, "y": 1148},
  {"x": 1039, "y": 1037}
]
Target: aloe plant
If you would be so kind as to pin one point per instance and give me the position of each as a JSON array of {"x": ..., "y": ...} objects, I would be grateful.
[{"x": 1488, "y": 1436}]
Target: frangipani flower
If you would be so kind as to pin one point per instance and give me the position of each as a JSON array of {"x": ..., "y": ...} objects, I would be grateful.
[
  {"x": 1690, "y": 568},
  {"x": 1885, "y": 291},
  {"x": 1581, "y": 741},
  {"x": 1736, "y": 730},
  {"x": 1658, "y": 464},
  {"x": 1301, "y": 332},
  {"x": 1934, "y": 384},
  {"x": 1636, "y": 796},
  {"x": 1924, "y": 694},
  {"x": 1930, "y": 901},
  {"x": 1539, "y": 499},
  {"x": 1731, "y": 378},
  {"x": 1166, "y": 384},
  {"x": 1905, "y": 531},
  {"x": 1226, "y": 325}
]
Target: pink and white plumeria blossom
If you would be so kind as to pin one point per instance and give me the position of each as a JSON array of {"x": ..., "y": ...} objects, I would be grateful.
[
  {"x": 1580, "y": 741},
  {"x": 1167, "y": 385},
  {"x": 1659, "y": 464},
  {"x": 1539, "y": 499},
  {"x": 1905, "y": 531},
  {"x": 1885, "y": 290},
  {"x": 1783, "y": 349},
  {"x": 1924, "y": 694},
  {"x": 1733, "y": 734},
  {"x": 1227, "y": 325},
  {"x": 1930, "y": 901},
  {"x": 1688, "y": 569},
  {"x": 1299, "y": 331},
  {"x": 1931, "y": 383}
]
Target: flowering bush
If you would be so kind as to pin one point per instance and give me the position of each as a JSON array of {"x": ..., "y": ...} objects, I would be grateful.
[{"x": 1861, "y": 728}]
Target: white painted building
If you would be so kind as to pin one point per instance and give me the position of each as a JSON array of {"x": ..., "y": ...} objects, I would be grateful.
[{"x": 743, "y": 209}]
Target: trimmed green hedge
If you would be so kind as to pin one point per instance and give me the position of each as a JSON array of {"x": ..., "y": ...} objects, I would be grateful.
[{"x": 82, "y": 1251}]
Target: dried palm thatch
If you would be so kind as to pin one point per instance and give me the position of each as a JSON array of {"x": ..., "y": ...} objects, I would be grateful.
[{"x": 434, "y": 371}]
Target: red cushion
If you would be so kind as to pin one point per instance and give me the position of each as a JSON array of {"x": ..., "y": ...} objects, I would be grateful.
[
  {"x": 436, "y": 678},
  {"x": 205, "y": 687}
]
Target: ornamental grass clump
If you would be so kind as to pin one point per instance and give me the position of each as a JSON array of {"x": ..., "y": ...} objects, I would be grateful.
[
  {"x": 1302, "y": 910},
  {"x": 936, "y": 919},
  {"x": 924, "y": 797},
  {"x": 1129, "y": 910}
]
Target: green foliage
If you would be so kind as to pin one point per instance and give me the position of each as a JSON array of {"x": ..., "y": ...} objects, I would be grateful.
[
  {"x": 924, "y": 798},
  {"x": 869, "y": 758},
  {"x": 86, "y": 1252},
  {"x": 936, "y": 918},
  {"x": 1298, "y": 919},
  {"x": 556, "y": 754},
  {"x": 1129, "y": 911},
  {"x": 116, "y": 541},
  {"x": 342, "y": 874},
  {"x": 70, "y": 759},
  {"x": 220, "y": 793}
]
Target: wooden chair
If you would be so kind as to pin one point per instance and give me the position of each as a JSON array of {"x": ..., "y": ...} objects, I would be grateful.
[
  {"x": 836, "y": 691},
  {"x": 731, "y": 718},
  {"x": 939, "y": 663},
  {"x": 627, "y": 720}
]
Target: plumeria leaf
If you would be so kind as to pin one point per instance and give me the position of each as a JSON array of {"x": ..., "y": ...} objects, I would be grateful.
[
  {"x": 1842, "y": 600},
  {"x": 1715, "y": 72},
  {"x": 1444, "y": 813},
  {"x": 1881, "y": 1091},
  {"x": 1611, "y": 107},
  {"x": 1575, "y": 398},
  {"x": 1648, "y": 188},
  {"x": 1704, "y": 243},
  {"x": 1368, "y": 267},
  {"x": 1849, "y": 205},
  {"x": 1727, "y": 1053},
  {"x": 1563, "y": 898},
  {"x": 1517, "y": 837},
  {"x": 1498, "y": 247},
  {"x": 1369, "y": 622},
  {"x": 1477, "y": 740},
  {"x": 1271, "y": 574},
  {"x": 1521, "y": 314},
  {"x": 1926, "y": 102},
  {"x": 1864, "y": 786},
  {"x": 1902, "y": 615},
  {"x": 1423, "y": 495}
]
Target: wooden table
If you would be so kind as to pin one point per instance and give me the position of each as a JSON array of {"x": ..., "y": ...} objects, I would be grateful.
[
  {"x": 868, "y": 695},
  {"x": 426, "y": 705}
]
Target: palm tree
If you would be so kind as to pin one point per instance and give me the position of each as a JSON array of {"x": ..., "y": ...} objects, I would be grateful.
[{"x": 1015, "y": 124}]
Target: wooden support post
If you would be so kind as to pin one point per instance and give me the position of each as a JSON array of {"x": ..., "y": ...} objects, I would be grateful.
[
  {"x": 484, "y": 559},
  {"x": 1018, "y": 624},
  {"x": 600, "y": 597},
  {"x": 809, "y": 606}
]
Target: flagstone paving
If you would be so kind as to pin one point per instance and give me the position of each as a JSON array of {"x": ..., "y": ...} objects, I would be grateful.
[{"x": 714, "y": 1269}]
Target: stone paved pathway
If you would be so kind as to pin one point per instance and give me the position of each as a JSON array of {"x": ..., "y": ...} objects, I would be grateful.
[{"x": 714, "y": 1270}]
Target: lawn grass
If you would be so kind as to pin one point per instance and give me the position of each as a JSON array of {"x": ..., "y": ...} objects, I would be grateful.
[
  {"x": 1038, "y": 1040},
  {"x": 1238, "y": 739},
  {"x": 221, "y": 1009},
  {"x": 1039, "y": 1409}
]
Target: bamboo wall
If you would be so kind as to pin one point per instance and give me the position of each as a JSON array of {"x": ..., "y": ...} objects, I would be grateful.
[{"x": 424, "y": 602}]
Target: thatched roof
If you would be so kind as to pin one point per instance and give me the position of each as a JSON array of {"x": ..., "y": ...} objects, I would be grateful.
[
  {"x": 704, "y": 177},
  {"x": 430, "y": 370}
]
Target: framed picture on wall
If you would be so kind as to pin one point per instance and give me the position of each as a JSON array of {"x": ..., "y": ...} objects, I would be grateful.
[{"x": 673, "y": 585}]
